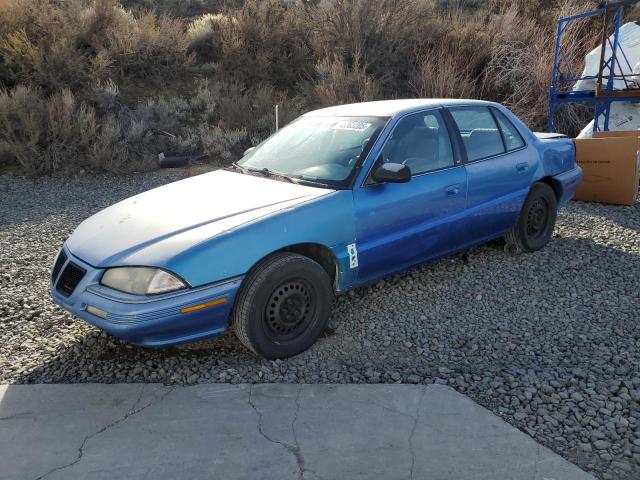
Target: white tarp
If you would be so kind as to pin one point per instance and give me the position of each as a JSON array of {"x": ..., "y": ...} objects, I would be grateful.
[
  {"x": 623, "y": 115},
  {"x": 630, "y": 41}
]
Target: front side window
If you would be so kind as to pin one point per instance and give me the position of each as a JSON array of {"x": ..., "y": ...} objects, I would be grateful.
[
  {"x": 420, "y": 141},
  {"x": 512, "y": 137},
  {"x": 317, "y": 149},
  {"x": 479, "y": 132}
]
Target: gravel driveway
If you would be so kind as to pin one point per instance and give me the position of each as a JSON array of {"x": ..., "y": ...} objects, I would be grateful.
[{"x": 550, "y": 341}]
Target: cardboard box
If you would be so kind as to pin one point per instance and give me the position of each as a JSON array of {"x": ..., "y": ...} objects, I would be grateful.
[
  {"x": 625, "y": 133},
  {"x": 610, "y": 167}
]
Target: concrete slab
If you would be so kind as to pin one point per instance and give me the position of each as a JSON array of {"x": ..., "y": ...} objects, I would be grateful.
[{"x": 262, "y": 432}]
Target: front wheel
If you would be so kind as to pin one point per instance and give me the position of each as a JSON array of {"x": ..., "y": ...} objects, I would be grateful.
[
  {"x": 536, "y": 221},
  {"x": 283, "y": 305}
]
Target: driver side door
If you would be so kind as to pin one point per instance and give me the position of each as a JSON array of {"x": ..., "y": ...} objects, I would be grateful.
[{"x": 399, "y": 225}]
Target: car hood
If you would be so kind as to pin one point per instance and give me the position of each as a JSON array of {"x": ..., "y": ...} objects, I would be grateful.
[{"x": 163, "y": 222}]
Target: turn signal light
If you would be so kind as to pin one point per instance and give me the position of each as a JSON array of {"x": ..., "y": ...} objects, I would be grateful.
[
  {"x": 212, "y": 303},
  {"x": 96, "y": 311}
]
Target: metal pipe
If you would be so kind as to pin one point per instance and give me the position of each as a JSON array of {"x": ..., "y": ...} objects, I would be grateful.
[{"x": 603, "y": 46}]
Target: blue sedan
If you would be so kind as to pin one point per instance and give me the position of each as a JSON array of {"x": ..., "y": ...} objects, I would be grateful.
[{"x": 339, "y": 198}]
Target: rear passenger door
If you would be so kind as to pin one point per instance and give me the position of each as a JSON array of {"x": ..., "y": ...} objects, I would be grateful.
[{"x": 499, "y": 168}]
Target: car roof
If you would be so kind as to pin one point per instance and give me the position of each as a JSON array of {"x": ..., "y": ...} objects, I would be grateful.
[{"x": 389, "y": 108}]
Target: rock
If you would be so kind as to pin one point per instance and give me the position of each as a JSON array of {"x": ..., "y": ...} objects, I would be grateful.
[
  {"x": 575, "y": 396},
  {"x": 520, "y": 416},
  {"x": 601, "y": 444}
]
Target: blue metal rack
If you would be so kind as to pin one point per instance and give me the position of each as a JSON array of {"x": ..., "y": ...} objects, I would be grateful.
[{"x": 604, "y": 94}]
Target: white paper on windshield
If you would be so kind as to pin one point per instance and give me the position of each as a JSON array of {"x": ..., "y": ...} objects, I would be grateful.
[{"x": 354, "y": 125}]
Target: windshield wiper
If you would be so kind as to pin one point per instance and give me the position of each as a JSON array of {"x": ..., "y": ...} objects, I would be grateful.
[
  {"x": 235, "y": 166},
  {"x": 270, "y": 173},
  {"x": 264, "y": 171},
  {"x": 278, "y": 176}
]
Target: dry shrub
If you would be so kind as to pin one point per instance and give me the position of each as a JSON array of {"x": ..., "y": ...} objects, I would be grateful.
[
  {"x": 513, "y": 71},
  {"x": 37, "y": 45},
  {"x": 338, "y": 84},
  {"x": 109, "y": 150},
  {"x": 204, "y": 37},
  {"x": 70, "y": 44},
  {"x": 146, "y": 45},
  {"x": 223, "y": 145},
  {"x": 455, "y": 65},
  {"x": 253, "y": 110},
  {"x": 44, "y": 135},
  {"x": 441, "y": 75},
  {"x": 265, "y": 42},
  {"x": 384, "y": 35},
  {"x": 518, "y": 72},
  {"x": 181, "y": 8}
]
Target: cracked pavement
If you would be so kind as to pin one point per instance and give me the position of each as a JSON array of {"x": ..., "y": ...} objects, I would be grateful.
[
  {"x": 266, "y": 431},
  {"x": 135, "y": 409}
]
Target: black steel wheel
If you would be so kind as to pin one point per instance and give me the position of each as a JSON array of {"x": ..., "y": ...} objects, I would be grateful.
[
  {"x": 283, "y": 305},
  {"x": 536, "y": 221},
  {"x": 537, "y": 218},
  {"x": 289, "y": 308}
]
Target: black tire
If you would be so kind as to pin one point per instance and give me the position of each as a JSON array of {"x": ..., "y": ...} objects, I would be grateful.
[
  {"x": 536, "y": 221},
  {"x": 283, "y": 305}
]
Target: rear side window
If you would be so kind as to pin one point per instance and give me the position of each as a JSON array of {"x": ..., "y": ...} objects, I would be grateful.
[
  {"x": 512, "y": 137},
  {"x": 480, "y": 133}
]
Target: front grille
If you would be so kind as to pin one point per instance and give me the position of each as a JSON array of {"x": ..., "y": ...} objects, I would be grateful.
[
  {"x": 58, "y": 265},
  {"x": 70, "y": 278}
]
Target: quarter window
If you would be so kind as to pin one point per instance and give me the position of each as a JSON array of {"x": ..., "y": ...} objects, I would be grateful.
[
  {"x": 479, "y": 132},
  {"x": 512, "y": 137},
  {"x": 421, "y": 141}
]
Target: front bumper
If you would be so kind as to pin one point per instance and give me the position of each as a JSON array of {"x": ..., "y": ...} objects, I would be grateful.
[{"x": 154, "y": 320}]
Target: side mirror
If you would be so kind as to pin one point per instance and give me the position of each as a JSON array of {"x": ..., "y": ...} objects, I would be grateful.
[
  {"x": 392, "y": 173},
  {"x": 248, "y": 151}
]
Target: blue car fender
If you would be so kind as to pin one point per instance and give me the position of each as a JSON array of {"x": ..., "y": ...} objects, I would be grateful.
[{"x": 327, "y": 221}]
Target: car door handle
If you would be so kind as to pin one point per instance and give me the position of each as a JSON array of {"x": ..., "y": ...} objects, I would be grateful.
[
  {"x": 452, "y": 190},
  {"x": 522, "y": 167}
]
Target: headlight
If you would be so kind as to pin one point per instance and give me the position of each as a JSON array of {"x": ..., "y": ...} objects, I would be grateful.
[{"x": 141, "y": 280}]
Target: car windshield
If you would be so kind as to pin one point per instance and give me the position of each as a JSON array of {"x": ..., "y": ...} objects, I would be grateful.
[{"x": 325, "y": 150}]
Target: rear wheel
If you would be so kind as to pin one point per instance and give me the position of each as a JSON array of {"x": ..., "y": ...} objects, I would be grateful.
[
  {"x": 283, "y": 306},
  {"x": 536, "y": 221}
]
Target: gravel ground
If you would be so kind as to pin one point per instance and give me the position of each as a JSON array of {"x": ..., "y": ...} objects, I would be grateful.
[{"x": 549, "y": 341}]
